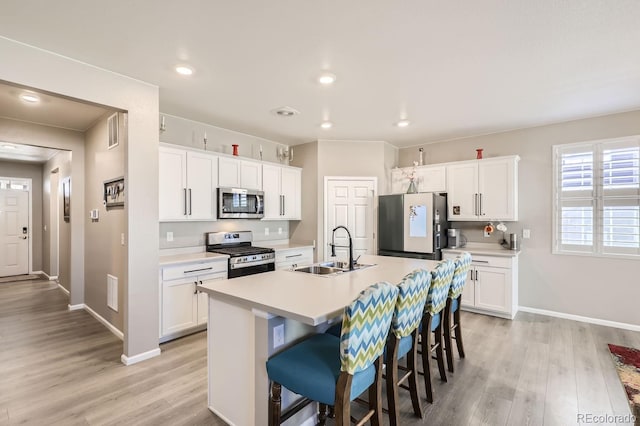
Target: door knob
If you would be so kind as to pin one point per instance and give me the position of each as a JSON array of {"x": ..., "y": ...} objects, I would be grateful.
[{"x": 24, "y": 237}]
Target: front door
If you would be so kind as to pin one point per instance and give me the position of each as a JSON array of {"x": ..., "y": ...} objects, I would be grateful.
[
  {"x": 350, "y": 203},
  {"x": 14, "y": 222}
]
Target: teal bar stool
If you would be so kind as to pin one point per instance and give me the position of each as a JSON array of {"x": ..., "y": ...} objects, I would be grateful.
[
  {"x": 403, "y": 341},
  {"x": 441, "y": 278},
  {"x": 462, "y": 266},
  {"x": 334, "y": 371}
]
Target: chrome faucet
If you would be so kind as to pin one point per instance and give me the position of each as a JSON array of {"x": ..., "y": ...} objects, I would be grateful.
[{"x": 350, "y": 246}]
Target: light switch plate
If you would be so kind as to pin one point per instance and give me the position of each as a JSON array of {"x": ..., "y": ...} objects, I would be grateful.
[
  {"x": 278, "y": 336},
  {"x": 526, "y": 233},
  {"x": 169, "y": 236},
  {"x": 122, "y": 239},
  {"x": 266, "y": 231}
]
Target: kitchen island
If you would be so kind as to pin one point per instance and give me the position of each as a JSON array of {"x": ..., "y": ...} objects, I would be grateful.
[{"x": 256, "y": 316}]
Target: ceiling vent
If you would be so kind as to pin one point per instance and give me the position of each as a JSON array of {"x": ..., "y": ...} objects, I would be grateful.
[{"x": 285, "y": 111}]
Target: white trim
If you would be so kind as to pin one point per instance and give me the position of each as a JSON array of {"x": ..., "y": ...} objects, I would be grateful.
[
  {"x": 130, "y": 360},
  {"x": 224, "y": 419},
  {"x": 63, "y": 289},
  {"x": 104, "y": 322},
  {"x": 76, "y": 307},
  {"x": 606, "y": 323},
  {"x": 49, "y": 277}
]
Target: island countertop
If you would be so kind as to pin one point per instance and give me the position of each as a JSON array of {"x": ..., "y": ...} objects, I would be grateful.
[{"x": 310, "y": 299}]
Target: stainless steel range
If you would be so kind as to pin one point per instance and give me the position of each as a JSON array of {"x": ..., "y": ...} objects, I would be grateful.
[{"x": 244, "y": 258}]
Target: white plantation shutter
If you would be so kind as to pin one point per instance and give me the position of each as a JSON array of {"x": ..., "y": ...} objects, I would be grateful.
[{"x": 597, "y": 197}]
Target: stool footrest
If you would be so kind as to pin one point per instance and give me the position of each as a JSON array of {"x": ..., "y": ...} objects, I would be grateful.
[{"x": 293, "y": 409}]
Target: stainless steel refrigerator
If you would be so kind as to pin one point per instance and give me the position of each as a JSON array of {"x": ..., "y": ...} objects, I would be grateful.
[{"x": 412, "y": 225}]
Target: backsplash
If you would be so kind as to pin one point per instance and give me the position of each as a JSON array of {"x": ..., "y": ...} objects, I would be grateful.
[
  {"x": 192, "y": 234},
  {"x": 474, "y": 231}
]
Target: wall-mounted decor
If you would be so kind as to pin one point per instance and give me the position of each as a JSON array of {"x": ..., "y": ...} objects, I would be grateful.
[
  {"x": 114, "y": 136},
  {"x": 66, "y": 198},
  {"x": 114, "y": 192}
]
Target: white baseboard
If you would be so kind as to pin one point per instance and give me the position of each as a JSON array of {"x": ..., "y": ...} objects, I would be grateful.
[
  {"x": 130, "y": 360},
  {"x": 49, "y": 277},
  {"x": 223, "y": 418},
  {"x": 104, "y": 322},
  {"x": 76, "y": 307},
  {"x": 597, "y": 321},
  {"x": 63, "y": 289}
]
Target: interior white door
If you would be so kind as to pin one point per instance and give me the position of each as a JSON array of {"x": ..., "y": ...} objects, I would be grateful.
[
  {"x": 14, "y": 235},
  {"x": 349, "y": 202}
]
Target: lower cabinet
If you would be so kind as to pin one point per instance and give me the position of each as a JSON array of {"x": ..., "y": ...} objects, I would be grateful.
[
  {"x": 491, "y": 286},
  {"x": 183, "y": 309},
  {"x": 293, "y": 257}
]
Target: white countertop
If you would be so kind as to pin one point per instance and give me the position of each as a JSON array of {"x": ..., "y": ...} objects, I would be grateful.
[
  {"x": 308, "y": 298},
  {"x": 283, "y": 246},
  {"x": 484, "y": 249},
  {"x": 190, "y": 257}
]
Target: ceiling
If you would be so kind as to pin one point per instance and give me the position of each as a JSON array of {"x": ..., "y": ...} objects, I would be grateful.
[
  {"x": 454, "y": 69},
  {"x": 25, "y": 153}
]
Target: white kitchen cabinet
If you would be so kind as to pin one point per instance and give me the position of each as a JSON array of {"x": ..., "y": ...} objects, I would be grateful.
[
  {"x": 483, "y": 190},
  {"x": 282, "y": 192},
  {"x": 188, "y": 181},
  {"x": 491, "y": 286},
  {"x": 237, "y": 173},
  {"x": 431, "y": 178},
  {"x": 183, "y": 309},
  {"x": 293, "y": 257}
]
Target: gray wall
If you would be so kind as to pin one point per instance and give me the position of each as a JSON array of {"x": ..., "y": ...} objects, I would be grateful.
[
  {"x": 596, "y": 287},
  {"x": 33, "y": 171},
  {"x": 56, "y": 257},
  {"x": 306, "y": 156},
  {"x": 103, "y": 251}
]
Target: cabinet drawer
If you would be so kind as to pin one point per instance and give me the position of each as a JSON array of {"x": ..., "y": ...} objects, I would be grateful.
[
  {"x": 294, "y": 255},
  {"x": 193, "y": 269},
  {"x": 496, "y": 262}
]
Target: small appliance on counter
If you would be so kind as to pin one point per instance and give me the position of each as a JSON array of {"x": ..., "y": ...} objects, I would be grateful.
[
  {"x": 412, "y": 225},
  {"x": 454, "y": 238},
  {"x": 244, "y": 258},
  {"x": 514, "y": 242}
]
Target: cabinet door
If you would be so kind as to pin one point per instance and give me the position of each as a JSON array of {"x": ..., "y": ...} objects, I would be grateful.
[
  {"x": 493, "y": 289},
  {"x": 431, "y": 178},
  {"x": 497, "y": 185},
  {"x": 173, "y": 184},
  {"x": 468, "y": 294},
  {"x": 250, "y": 175},
  {"x": 203, "y": 298},
  {"x": 202, "y": 180},
  {"x": 291, "y": 190},
  {"x": 179, "y": 306},
  {"x": 399, "y": 182},
  {"x": 462, "y": 191},
  {"x": 229, "y": 172},
  {"x": 271, "y": 182}
]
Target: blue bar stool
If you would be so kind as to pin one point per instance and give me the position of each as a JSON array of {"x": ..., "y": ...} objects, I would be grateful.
[
  {"x": 334, "y": 371},
  {"x": 463, "y": 264}
]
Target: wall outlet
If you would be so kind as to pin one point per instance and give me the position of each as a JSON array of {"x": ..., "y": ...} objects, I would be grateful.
[
  {"x": 278, "y": 336},
  {"x": 122, "y": 239},
  {"x": 526, "y": 233},
  {"x": 279, "y": 231},
  {"x": 266, "y": 231},
  {"x": 169, "y": 236}
]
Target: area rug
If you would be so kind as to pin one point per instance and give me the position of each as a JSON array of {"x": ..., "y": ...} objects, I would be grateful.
[
  {"x": 627, "y": 362},
  {"x": 19, "y": 278}
]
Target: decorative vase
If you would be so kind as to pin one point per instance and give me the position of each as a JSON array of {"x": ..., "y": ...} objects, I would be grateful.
[
  {"x": 479, "y": 153},
  {"x": 235, "y": 149},
  {"x": 412, "y": 188}
]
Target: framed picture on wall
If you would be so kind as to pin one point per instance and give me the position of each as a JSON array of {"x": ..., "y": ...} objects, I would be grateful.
[
  {"x": 66, "y": 199},
  {"x": 114, "y": 137},
  {"x": 114, "y": 192}
]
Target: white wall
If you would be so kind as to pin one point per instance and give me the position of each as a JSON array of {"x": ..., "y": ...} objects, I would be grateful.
[
  {"x": 39, "y": 69},
  {"x": 596, "y": 287}
]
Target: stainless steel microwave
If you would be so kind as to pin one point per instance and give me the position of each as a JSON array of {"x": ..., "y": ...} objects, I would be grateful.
[{"x": 238, "y": 203}]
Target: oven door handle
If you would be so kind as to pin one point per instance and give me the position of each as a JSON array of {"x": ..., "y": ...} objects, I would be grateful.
[
  {"x": 258, "y": 204},
  {"x": 250, "y": 264}
]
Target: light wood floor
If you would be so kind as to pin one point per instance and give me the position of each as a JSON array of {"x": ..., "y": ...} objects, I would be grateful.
[{"x": 63, "y": 367}]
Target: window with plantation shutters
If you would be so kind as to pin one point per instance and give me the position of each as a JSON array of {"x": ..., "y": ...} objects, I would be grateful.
[{"x": 597, "y": 197}]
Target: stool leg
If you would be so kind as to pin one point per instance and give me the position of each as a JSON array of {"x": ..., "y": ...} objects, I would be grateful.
[
  {"x": 343, "y": 402},
  {"x": 375, "y": 396},
  {"x": 440, "y": 352},
  {"x": 412, "y": 364},
  {"x": 425, "y": 347},
  {"x": 274, "y": 404},
  {"x": 458, "y": 331},
  {"x": 322, "y": 414},
  {"x": 392, "y": 379},
  {"x": 447, "y": 335}
]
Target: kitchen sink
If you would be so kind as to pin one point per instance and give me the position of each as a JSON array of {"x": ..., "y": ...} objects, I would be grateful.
[{"x": 329, "y": 268}]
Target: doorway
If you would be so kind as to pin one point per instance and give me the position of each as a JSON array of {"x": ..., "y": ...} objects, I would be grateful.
[
  {"x": 350, "y": 202},
  {"x": 14, "y": 228}
]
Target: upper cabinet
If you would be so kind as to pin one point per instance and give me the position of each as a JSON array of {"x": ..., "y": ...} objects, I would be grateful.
[
  {"x": 481, "y": 190},
  {"x": 431, "y": 178},
  {"x": 282, "y": 192},
  {"x": 188, "y": 181},
  {"x": 237, "y": 173}
]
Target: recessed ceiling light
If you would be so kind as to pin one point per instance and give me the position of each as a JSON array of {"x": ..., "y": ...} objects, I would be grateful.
[
  {"x": 326, "y": 125},
  {"x": 285, "y": 111},
  {"x": 184, "y": 70},
  {"x": 327, "y": 78},
  {"x": 29, "y": 97},
  {"x": 403, "y": 123}
]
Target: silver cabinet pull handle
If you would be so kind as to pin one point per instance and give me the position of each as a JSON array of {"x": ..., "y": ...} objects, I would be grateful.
[
  {"x": 185, "y": 200},
  {"x": 189, "y": 201},
  {"x": 198, "y": 270},
  {"x": 481, "y": 209},
  {"x": 293, "y": 255}
]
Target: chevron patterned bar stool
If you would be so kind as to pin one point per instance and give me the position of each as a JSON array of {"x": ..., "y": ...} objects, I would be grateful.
[
  {"x": 403, "y": 340},
  {"x": 334, "y": 371},
  {"x": 441, "y": 278},
  {"x": 463, "y": 264}
]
